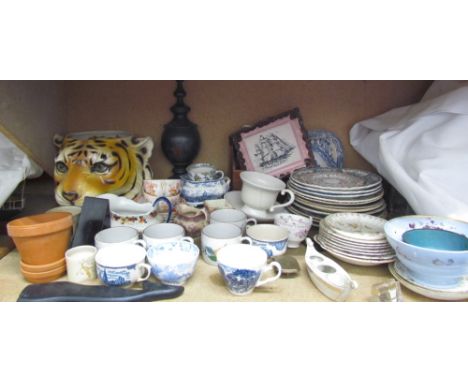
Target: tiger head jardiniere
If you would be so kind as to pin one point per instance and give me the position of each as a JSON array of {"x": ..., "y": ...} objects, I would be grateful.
[{"x": 93, "y": 165}]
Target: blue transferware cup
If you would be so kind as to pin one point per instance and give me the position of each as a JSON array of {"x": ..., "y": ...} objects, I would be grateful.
[
  {"x": 436, "y": 239},
  {"x": 242, "y": 267},
  {"x": 122, "y": 265},
  {"x": 271, "y": 238},
  {"x": 173, "y": 263}
]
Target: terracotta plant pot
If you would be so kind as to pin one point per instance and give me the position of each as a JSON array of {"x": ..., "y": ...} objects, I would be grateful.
[
  {"x": 42, "y": 268},
  {"x": 41, "y": 239},
  {"x": 44, "y": 277}
]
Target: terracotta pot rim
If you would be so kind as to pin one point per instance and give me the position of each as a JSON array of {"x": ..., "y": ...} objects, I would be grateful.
[
  {"x": 51, "y": 272},
  {"x": 52, "y": 222},
  {"x": 42, "y": 267}
]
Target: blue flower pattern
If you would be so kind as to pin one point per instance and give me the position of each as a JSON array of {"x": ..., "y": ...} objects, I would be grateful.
[{"x": 240, "y": 281}]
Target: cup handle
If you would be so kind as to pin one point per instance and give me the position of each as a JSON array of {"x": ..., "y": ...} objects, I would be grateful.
[
  {"x": 141, "y": 243},
  {"x": 169, "y": 206},
  {"x": 266, "y": 268},
  {"x": 288, "y": 203},
  {"x": 144, "y": 270},
  {"x": 250, "y": 220},
  {"x": 227, "y": 184},
  {"x": 246, "y": 238},
  {"x": 219, "y": 174},
  {"x": 187, "y": 238}
]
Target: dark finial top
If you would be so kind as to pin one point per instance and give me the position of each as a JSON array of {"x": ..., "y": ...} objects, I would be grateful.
[{"x": 180, "y": 109}]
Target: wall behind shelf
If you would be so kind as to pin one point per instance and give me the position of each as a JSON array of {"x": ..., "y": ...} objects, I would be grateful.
[
  {"x": 221, "y": 107},
  {"x": 31, "y": 112}
]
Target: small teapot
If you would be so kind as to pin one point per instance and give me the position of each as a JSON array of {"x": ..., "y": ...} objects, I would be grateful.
[
  {"x": 126, "y": 212},
  {"x": 191, "y": 218}
]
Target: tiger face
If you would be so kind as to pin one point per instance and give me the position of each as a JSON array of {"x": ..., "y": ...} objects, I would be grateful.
[{"x": 97, "y": 165}]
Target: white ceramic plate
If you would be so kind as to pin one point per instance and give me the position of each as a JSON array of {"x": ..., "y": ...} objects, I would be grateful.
[
  {"x": 452, "y": 294},
  {"x": 334, "y": 236},
  {"x": 356, "y": 225},
  {"x": 353, "y": 247},
  {"x": 352, "y": 260},
  {"x": 356, "y": 252}
]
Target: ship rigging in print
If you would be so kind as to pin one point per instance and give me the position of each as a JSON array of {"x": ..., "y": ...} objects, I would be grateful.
[{"x": 272, "y": 151}]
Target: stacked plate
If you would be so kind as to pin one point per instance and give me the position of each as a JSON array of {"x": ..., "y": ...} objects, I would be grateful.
[
  {"x": 323, "y": 191},
  {"x": 355, "y": 238}
]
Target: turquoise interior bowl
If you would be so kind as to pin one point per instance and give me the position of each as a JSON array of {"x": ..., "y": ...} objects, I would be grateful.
[{"x": 436, "y": 239}]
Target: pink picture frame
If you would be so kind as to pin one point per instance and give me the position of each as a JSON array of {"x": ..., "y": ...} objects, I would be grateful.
[{"x": 276, "y": 146}]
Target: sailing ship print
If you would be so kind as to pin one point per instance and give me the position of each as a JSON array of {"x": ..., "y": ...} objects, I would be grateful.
[{"x": 271, "y": 150}]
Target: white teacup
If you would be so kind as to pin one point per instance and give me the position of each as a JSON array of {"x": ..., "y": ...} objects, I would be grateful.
[
  {"x": 218, "y": 235},
  {"x": 122, "y": 265},
  {"x": 259, "y": 192},
  {"x": 164, "y": 232},
  {"x": 242, "y": 267},
  {"x": 81, "y": 267},
  {"x": 116, "y": 236},
  {"x": 232, "y": 216}
]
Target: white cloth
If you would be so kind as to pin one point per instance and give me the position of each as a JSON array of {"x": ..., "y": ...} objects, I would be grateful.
[
  {"x": 422, "y": 150},
  {"x": 15, "y": 166}
]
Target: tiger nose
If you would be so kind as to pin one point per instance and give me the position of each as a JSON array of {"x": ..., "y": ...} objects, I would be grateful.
[{"x": 70, "y": 196}]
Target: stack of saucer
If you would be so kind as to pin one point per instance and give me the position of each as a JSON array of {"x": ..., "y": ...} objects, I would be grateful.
[
  {"x": 323, "y": 191},
  {"x": 355, "y": 238}
]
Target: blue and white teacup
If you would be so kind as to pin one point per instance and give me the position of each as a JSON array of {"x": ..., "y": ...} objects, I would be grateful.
[
  {"x": 218, "y": 235},
  {"x": 122, "y": 265},
  {"x": 173, "y": 262},
  {"x": 200, "y": 172},
  {"x": 242, "y": 267},
  {"x": 271, "y": 238}
]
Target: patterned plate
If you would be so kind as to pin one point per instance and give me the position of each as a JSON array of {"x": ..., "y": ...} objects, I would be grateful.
[
  {"x": 358, "y": 226},
  {"x": 341, "y": 208},
  {"x": 327, "y": 148},
  {"x": 335, "y": 179},
  {"x": 339, "y": 194}
]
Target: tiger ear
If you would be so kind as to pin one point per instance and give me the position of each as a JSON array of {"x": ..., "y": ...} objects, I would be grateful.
[
  {"x": 58, "y": 140},
  {"x": 143, "y": 145}
]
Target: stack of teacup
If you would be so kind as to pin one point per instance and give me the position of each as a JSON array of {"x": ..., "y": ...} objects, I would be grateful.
[{"x": 203, "y": 182}]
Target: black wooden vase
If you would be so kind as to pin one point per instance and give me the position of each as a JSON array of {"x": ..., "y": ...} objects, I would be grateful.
[{"x": 180, "y": 140}]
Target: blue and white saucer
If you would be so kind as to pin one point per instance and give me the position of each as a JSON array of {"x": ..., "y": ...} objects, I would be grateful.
[{"x": 327, "y": 148}]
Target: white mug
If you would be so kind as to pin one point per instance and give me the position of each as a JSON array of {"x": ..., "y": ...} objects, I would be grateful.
[
  {"x": 242, "y": 267},
  {"x": 164, "y": 232},
  {"x": 81, "y": 266},
  {"x": 218, "y": 235},
  {"x": 231, "y": 216},
  {"x": 122, "y": 265},
  {"x": 116, "y": 236}
]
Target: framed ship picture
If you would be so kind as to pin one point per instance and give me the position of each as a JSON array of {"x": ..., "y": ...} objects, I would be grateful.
[{"x": 276, "y": 146}]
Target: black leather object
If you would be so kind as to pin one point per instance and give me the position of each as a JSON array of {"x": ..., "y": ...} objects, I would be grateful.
[
  {"x": 64, "y": 291},
  {"x": 94, "y": 217}
]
